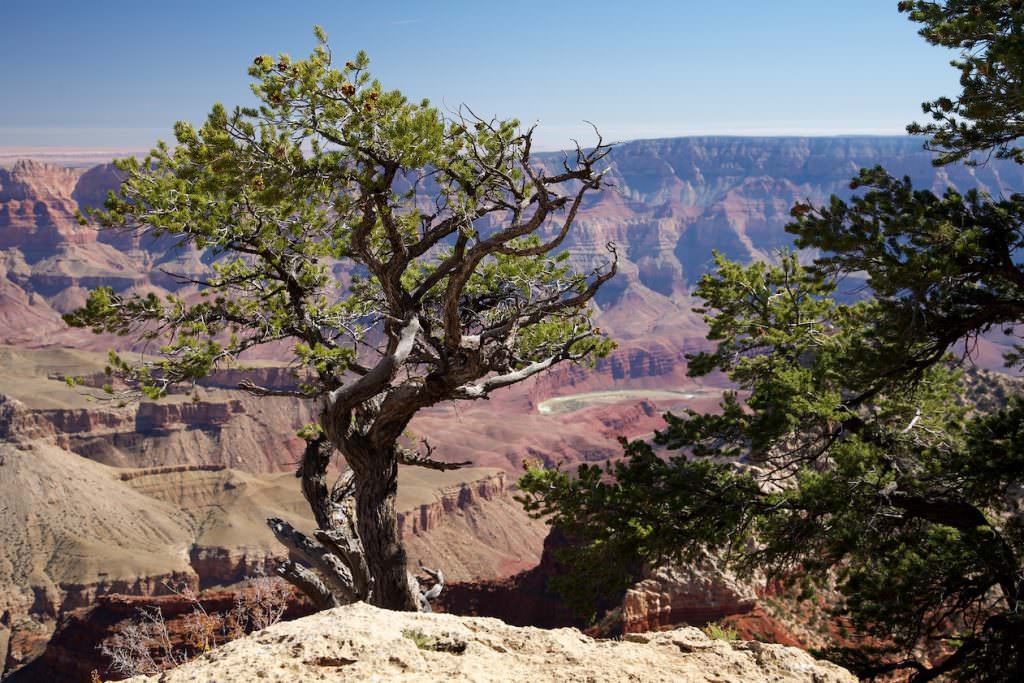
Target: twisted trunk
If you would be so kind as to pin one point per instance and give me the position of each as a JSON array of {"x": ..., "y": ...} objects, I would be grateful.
[
  {"x": 357, "y": 553},
  {"x": 376, "y": 486}
]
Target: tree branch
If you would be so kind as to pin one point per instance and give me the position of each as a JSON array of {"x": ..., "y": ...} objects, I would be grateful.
[
  {"x": 328, "y": 565},
  {"x": 370, "y": 384},
  {"x": 307, "y": 582},
  {"x": 417, "y": 459}
]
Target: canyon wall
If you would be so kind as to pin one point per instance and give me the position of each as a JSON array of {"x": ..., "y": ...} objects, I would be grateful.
[
  {"x": 671, "y": 203},
  {"x": 97, "y": 497},
  {"x": 73, "y": 530},
  {"x": 230, "y": 430}
]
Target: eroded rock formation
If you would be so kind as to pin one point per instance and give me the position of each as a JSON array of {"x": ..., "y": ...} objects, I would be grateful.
[{"x": 694, "y": 594}]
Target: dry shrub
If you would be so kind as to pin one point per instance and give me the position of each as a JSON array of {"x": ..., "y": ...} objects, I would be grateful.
[
  {"x": 145, "y": 645},
  {"x": 131, "y": 649},
  {"x": 262, "y": 604}
]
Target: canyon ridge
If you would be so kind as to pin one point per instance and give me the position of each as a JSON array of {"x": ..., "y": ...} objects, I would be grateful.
[{"x": 98, "y": 499}]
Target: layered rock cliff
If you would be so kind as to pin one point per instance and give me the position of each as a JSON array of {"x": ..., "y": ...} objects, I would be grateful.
[{"x": 673, "y": 201}]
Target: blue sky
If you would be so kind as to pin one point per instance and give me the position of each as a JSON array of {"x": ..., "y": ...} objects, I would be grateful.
[{"x": 118, "y": 74}]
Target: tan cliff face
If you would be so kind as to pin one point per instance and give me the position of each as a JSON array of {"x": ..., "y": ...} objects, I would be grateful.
[
  {"x": 227, "y": 430},
  {"x": 37, "y": 209},
  {"x": 474, "y": 530},
  {"x": 428, "y": 515}
]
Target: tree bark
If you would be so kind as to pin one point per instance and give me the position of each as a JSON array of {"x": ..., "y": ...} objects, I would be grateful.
[
  {"x": 376, "y": 519},
  {"x": 361, "y": 561}
]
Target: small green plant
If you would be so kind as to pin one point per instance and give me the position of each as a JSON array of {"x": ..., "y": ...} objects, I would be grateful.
[
  {"x": 719, "y": 632},
  {"x": 419, "y": 638},
  {"x": 441, "y": 643}
]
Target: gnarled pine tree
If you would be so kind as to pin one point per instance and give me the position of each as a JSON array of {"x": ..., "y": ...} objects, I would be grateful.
[
  {"x": 406, "y": 257},
  {"x": 852, "y": 458}
]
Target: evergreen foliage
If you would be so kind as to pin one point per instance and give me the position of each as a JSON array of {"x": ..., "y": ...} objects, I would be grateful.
[
  {"x": 401, "y": 257},
  {"x": 844, "y": 454}
]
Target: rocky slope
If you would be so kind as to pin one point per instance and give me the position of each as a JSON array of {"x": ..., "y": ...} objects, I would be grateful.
[
  {"x": 360, "y": 643},
  {"x": 72, "y": 530}
]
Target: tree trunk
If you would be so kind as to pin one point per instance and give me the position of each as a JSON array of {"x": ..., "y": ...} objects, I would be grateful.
[
  {"x": 361, "y": 561},
  {"x": 375, "y": 491}
]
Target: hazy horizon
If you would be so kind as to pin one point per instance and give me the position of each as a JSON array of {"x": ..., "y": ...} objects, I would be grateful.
[
  {"x": 119, "y": 74},
  {"x": 81, "y": 157}
]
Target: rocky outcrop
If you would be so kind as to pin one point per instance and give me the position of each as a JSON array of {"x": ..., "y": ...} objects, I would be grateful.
[
  {"x": 36, "y": 208},
  {"x": 429, "y": 516},
  {"x": 359, "y": 642},
  {"x": 225, "y": 429},
  {"x": 694, "y": 594},
  {"x": 164, "y": 416},
  {"x": 18, "y": 422}
]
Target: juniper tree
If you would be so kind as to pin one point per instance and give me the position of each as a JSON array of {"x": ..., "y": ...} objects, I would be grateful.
[
  {"x": 850, "y": 456},
  {"x": 402, "y": 256}
]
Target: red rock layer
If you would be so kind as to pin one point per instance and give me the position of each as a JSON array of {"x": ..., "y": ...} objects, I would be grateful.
[
  {"x": 72, "y": 654},
  {"x": 431, "y": 515}
]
